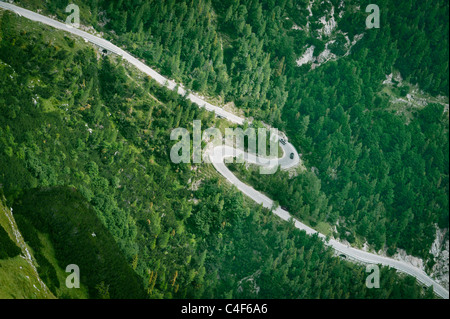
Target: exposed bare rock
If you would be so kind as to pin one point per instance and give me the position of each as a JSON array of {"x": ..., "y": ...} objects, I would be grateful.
[{"x": 440, "y": 251}]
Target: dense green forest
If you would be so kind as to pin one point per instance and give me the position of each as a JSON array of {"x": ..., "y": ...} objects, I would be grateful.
[
  {"x": 245, "y": 50},
  {"x": 75, "y": 128},
  {"x": 380, "y": 179}
]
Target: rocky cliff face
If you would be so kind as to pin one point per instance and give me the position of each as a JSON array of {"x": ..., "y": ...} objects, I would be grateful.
[
  {"x": 324, "y": 27},
  {"x": 440, "y": 251}
]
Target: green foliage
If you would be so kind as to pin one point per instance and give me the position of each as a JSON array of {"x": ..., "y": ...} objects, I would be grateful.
[
  {"x": 255, "y": 255},
  {"x": 386, "y": 180},
  {"x": 79, "y": 238},
  {"x": 69, "y": 119}
]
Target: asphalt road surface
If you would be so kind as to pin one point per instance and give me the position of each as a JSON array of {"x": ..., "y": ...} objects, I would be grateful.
[{"x": 218, "y": 154}]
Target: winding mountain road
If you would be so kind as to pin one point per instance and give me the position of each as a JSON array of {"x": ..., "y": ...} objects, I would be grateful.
[{"x": 218, "y": 154}]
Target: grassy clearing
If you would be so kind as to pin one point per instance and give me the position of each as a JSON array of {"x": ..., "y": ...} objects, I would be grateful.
[
  {"x": 324, "y": 228},
  {"x": 49, "y": 253},
  {"x": 17, "y": 278}
]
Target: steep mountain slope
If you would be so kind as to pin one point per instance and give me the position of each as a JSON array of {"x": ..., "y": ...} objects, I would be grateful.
[
  {"x": 72, "y": 117},
  {"x": 338, "y": 115},
  {"x": 18, "y": 276},
  {"x": 77, "y": 236}
]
